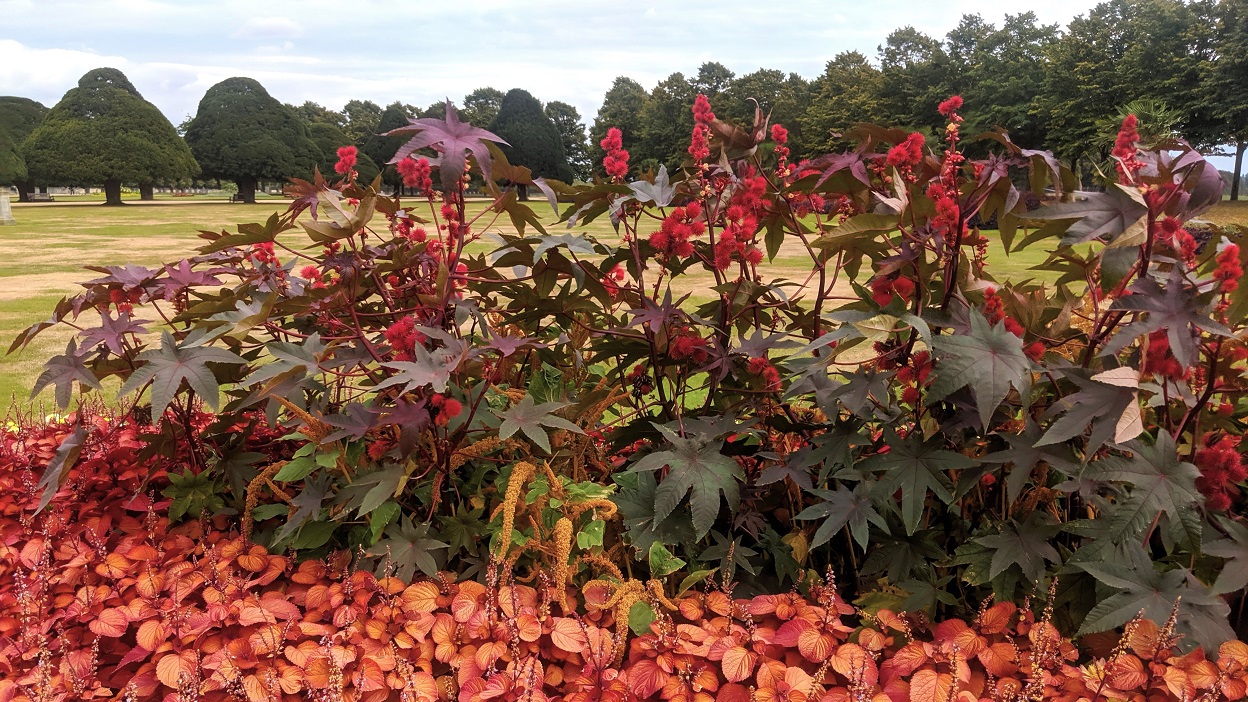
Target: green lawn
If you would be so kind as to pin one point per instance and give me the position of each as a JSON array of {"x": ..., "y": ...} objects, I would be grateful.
[{"x": 42, "y": 259}]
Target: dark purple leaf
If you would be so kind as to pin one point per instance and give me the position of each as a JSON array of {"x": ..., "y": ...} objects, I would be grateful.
[
  {"x": 451, "y": 138},
  {"x": 111, "y": 330}
]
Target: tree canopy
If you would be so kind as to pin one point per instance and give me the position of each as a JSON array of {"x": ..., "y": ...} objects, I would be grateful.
[
  {"x": 621, "y": 108},
  {"x": 104, "y": 133},
  {"x": 241, "y": 133},
  {"x": 381, "y": 148},
  {"x": 532, "y": 138},
  {"x": 567, "y": 120},
  {"x": 328, "y": 138},
  {"x": 481, "y": 106}
]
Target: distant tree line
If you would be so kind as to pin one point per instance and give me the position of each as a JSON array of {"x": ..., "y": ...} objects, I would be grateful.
[{"x": 1182, "y": 67}]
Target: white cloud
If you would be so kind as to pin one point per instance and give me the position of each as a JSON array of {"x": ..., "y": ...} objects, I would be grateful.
[{"x": 269, "y": 28}]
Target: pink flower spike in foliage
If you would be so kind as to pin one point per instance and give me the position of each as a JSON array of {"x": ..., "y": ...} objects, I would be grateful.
[
  {"x": 416, "y": 173},
  {"x": 1229, "y": 269},
  {"x": 615, "y": 163},
  {"x": 346, "y": 159},
  {"x": 950, "y": 106},
  {"x": 702, "y": 113},
  {"x": 908, "y": 153},
  {"x": 1125, "y": 149},
  {"x": 779, "y": 134}
]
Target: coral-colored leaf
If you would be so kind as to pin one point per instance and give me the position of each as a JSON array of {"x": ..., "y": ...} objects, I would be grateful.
[
  {"x": 738, "y": 663},
  {"x": 567, "y": 635},
  {"x": 1126, "y": 673},
  {"x": 929, "y": 686},
  {"x": 151, "y": 635},
  {"x": 420, "y": 598},
  {"x": 110, "y": 622},
  {"x": 169, "y": 669},
  {"x": 998, "y": 659},
  {"x": 645, "y": 678}
]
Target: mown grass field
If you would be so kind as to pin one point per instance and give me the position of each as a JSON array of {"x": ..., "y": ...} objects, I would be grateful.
[{"x": 42, "y": 259}]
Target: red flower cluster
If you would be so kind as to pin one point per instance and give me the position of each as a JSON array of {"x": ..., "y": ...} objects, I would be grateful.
[
  {"x": 1159, "y": 359},
  {"x": 883, "y": 289},
  {"x": 1178, "y": 239},
  {"x": 416, "y": 173},
  {"x": 780, "y": 135},
  {"x": 681, "y": 225},
  {"x": 313, "y": 275},
  {"x": 346, "y": 159},
  {"x": 445, "y": 409},
  {"x": 687, "y": 344},
  {"x": 950, "y": 106},
  {"x": 761, "y": 367},
  {"x": 1125, "y": 150},
  {"x": 263, "y": 254},
  {"x": 948, "y": 213},
  {"x": 736, "y": 239},
  {"x": 1221, "y": 466},
  {"x": 1229, "y": 269},
  {"x": 908, "y": 153},
  {"x": 699, "y": 143},
  {"x": 994, "y": 311},
  {"x": 616, "y": 161},
  {"x": 611, "y": 281},
  {"x": 915, "y": 376},
  {"x": 403, "y": 337}
]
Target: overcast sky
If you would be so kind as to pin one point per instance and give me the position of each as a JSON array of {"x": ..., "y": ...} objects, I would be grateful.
[{"x": 419, "y": 52}]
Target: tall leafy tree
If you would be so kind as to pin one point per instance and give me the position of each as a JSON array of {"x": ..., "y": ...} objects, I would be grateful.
[
  {"x": 18, "y": 118},
  {"x": 567, "y": 120},
  {"x": 1124, "y": 50},
  {"x": 665, "y": 124},
  {"x": 328, "y": 139},
  {"x": 480, "y": 106},
  {"x": 713, "y": 78},
  {"x": 1000, "y": 72},
  {"x": 621, "y": 108},
  {"x": 915, "y": 72},
  {"x": 382, "y": 148},
  {"x": 783, "y": 97},
  {"x": 104, "y": 133},
  {"x": 243, "y": 134},
  {"x": 1226, "y": 82},
  {"x": 848, "y": 92},
  {"x": 532, "y": 138},
  {"x": 315, "y": 113},
  {"x": 361, "y": 119}
]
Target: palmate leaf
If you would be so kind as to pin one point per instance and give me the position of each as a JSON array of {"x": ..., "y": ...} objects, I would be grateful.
[
  {"x": 529, "y": 418},
  {"x": 843, "y": 507},
  {"x": 306, "y": 506},
  {"x": 61, "y": 372},
  {"x": 1026, "y": 545},
  {"x": 915, "y": 467},
  {"x": 1097, "y": 215},
  {"x": 110, "y": 331},
  {"x": 453, "y": 139},
  {"x": 170, "y": 365},
  {"x": 408, "y": 547},
  {"x": 1098, "y": 404},
  {"x": 1173, "y": 308},
  {"x": 430, "y": 368},
  {"x": 1024, "y": 455},
  {"x": 697, "y": 468},
  {"x": 1202, "y": 615},
  {"x": 1234, "y": 575},
  {"x": 989, "y": 360},
  {"x": 1160, "y": 483},
  {"x": 660, "y": 192},
  {"x": 57, "y": 472}
]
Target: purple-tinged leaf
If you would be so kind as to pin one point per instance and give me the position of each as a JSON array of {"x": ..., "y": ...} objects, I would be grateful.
[
  {"x": 453, "y": 139},
  {"x": 110, "y": 331},
  {"x": 63, "y": 460},
  {"x": 61, "y": 372},
  {"x": 1098, "y": 215}
]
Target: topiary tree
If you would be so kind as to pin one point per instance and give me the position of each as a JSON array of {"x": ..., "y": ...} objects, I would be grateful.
[
  {"x": 328, "y": 138},
  {"x": 104, "y": 133},
  {"x": 380, "y": 148},
  {"x": 532, "y": 138},
  {"x": 18, "y": 118},
  {"x": 243, "y": 134}
]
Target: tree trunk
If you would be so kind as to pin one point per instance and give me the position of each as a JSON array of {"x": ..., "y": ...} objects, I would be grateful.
[
  {"x": 145, "y": 192},
  {"x": 23, "y": 191},
  {"x": 522, "y": 192},
  {"x": 1239, "y": 167},
  {"x": 247, "y": 190},
  {"x": 112, "y": 192}
]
